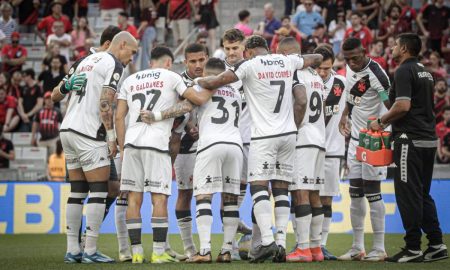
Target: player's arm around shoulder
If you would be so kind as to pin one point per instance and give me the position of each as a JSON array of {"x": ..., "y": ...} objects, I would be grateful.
[
  {"x": 311, "y": 60},
  {"x": 214, "y": 82}
]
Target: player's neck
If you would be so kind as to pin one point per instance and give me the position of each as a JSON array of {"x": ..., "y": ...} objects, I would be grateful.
[
  {"x": 405, "y": 57},
  {"x": 192, "y": 76},
  {"x": 232, "y": 63}
]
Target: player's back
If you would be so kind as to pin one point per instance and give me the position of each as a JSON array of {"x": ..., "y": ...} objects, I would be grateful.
[
  {"x": 153, "y": 90},
  {"x": 267, "y": 81},
  {"x": 219, "y": 118},
  {"x": 312, "y": 130},
  {"x": 334, "y": 100},
  {"x": 365, "y": 90},
  {"x": 83, "y": 113}
]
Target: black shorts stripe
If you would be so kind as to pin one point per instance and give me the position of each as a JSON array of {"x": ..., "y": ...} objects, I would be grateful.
[
  {"x": 310, "y": 146},
  {"x": 334, "y": 156},
  {"x": 245, "y": 144},
  {"x": 128, "y": 145},
  {"x": 211, "y": 145},
  {"x": 274, "y": 136},
  {"x": 82, "y": 135},
  {"x": 353, "y": 138}
]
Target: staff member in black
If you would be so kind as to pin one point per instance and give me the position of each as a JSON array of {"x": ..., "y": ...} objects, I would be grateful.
[{"x": 415, "y": 142}]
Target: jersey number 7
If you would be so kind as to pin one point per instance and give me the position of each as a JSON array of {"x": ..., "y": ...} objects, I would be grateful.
[{"x": 143, "y": 98}]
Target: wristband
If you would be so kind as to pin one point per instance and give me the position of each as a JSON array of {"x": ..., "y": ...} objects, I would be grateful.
[
  {"x": 111, "y": 135},
  {"x": 158, "y": 116},
  {"x": 63, "y": 89}
]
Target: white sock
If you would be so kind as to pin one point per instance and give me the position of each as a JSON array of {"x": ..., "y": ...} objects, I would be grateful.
[
  {"x": 204, "y": 222},
  {"x": 256, "y": 233},
  {"x": 121, "y": 225},
  {"x": 282, "y": 211},
  {"x": 74, "y": 214},
  {"x": 316, "y": 227},
  {"x": 377, "y": 218},
  {"x": 160, "y": 226},
  {"x": 241, "y": 197},
  {"x": 230, "y": 224},
  {"x": 95, "y": 211},
  {"x": 294, "y": 224},
  {"x": 357, "y": 216},
  {"x": 184, "y": 220},
  {"x": 263, "y": 213},
  {"x": 303, "y": 217}
]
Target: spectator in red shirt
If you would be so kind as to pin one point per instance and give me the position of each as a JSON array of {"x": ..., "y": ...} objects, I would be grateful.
[
  {"x": 81, "y": 8},
  {"x": 371, "y": 8},
  {"x": 8, "y": 105},
  {"x": 28, "y": 14},
  {"x": 30, "y": 101},
  {"x": 5, "y": 83},
  {"x": 435, "y": 66},
  {"x": 433, "y": 20},
  {"x": 6, "y": 151},
  {"x": 286, "y": 30},
  {"x": 14, "y": 55},
  {"x": 407, "y": 14},
  {"x": 392, "y": 65},
  {"x": 110, "y": 9},
  {"x": 47, "y": 22},
  {"x": 46, "y": 122},
  {"x": 358, "y": 30},
  {"x": 441, "y": 99},
  {"x": 123, "y": 24},
  {"x": 376, "y": 53},
  {"x": 392, "y": 26},
  {"x": 443, "y": 130},
  {"x": 180, "y": 12}
]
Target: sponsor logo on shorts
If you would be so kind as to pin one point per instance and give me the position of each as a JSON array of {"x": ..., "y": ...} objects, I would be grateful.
[
  {"x": 71, "y": 160},
  {"x": 208, "y": 179},
  {"x": 128, "y": 182},
  {"x": 87, "y": 162},
  {"x": 155, "y": 184},
  {"x": 146, "y": 183}
]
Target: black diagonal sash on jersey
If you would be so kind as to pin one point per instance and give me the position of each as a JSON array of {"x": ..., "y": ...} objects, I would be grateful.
[
  {"x": 360, "y": 87},
  {"x": 333, "y": 99}
]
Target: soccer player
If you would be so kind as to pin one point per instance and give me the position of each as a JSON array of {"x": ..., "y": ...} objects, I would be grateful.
[
  {"x": 333, "y": 96},
  {"x": 196, "y": 58},
  {"x": 366, "y": 91},
  {"x": 86, "y": 151},
  {"x": 271, "y": 153},
  {"x": 146, "y": 162},
  {"x": 114, "y": 176},
  {"x": 309, "y": 163}
]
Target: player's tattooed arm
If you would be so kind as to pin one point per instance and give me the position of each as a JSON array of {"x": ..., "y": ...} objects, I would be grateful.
[
  {"x": 174, "y": 145},
  {"x": 106, "y": 108},
  {"x": 214, "y": 82},
  {"x": 176, "y": 110},
  {"x": 312, "y": 60},
  {"x": 300, "y": 103}
]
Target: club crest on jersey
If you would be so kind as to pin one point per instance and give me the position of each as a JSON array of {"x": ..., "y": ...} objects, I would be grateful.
[
  {"x": 337, "y": 90},
  {"x": 362, "y": 86},
  {"x": 116, "y": 76}
]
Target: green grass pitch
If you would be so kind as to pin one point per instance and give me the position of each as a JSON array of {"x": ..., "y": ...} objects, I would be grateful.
[{"x": 47, "y": 251}]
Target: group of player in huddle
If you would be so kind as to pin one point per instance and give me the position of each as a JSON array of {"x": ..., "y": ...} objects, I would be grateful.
[{"x": 275, "y": 121}]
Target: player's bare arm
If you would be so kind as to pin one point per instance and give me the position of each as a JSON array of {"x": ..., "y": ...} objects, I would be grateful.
[
  {"x": 344, "y": 124},
  {"x": 57, "y": 96},
  {"x": 121, "y": 113},
  {"x": 174, "y": 145},
  {"x": 300, "y": 103},
  {"x": 312, "y": 60},
  {"x": 214, "y": 82},
  {"x": 106, "y": 116},
  {"x": 400, "y": 108}
]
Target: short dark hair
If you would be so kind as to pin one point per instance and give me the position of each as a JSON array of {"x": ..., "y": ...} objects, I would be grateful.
[
  {"x": 55, "y": 57},
  {"x": 412, "y": 43},
  {"x": 195, "y": 48},
  {"x": 256, "y": 41},
  {"x": 202, "y": 34},
  {"x": 109, "y": 33},
  {"x": 29, "y": 72},
  {"x": 289, "y": 42},
  {"x": 215, "y": 64},
  {"x": 326, "y": 51},
  {"x": 440, "y": 79},
  {"x": 357, "y": 13},
  {"x": 124, "y": 14},
  {"x": 243, "y": 14},
  {"x": 285, "y": 17},
  {"x": 233, "y": 35},
  {"x": 392, "y": 7},
  {"x": 351, "y": 44},
  {"x": 160, "y": 51}
]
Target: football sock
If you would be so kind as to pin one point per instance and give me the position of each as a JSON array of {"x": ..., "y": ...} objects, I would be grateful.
[
  {"x": 204, "y": 222},
  {"x": 95, "y": 211},
  {"x": 282, "y": 211},
  {"x": 263, "y": 212},
  {"x": 134, "y": 227},
  {"x": 74, "y": 213},
  {"x": 121, "y": 225},
  {"x": 160, "y": 226},
  {"x": 327, "y": 215},
  {"x": 184, "y": 221},
  {"x": 303, "y": 217},
  {"x": 230, "y": 224},
  {"x": 316, "y": 227},
  {"x": 377, "y": 218}
]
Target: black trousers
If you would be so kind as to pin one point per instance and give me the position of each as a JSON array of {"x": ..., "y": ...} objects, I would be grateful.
[{"x": 412, "y": 182}]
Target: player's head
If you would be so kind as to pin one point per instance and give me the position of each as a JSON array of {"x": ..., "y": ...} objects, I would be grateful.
[
  {"x": 195, "y": 59},
  {"x": 406, "y": 45},
  {"x": 288, "y": 45},
  {"x": 123, "y": 47},
  {"x": 325, "y": 68},
  {"x": 354, "y": 54},
  {"x": 233, "y": 45},
  {"x": 255, "y": 45},
  {"x": 107, "y": 36},
  {"x": 161, "y": 57},
  {"x": 214, "y": 66}
]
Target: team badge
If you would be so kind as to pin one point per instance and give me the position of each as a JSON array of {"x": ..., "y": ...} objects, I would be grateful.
[{"x": 116, "y": 76}]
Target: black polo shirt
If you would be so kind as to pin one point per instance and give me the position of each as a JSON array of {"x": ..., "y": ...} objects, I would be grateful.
[{"x": 413, "y": 82}]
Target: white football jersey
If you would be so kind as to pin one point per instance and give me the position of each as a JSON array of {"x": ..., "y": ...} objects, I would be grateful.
[
  {"x": 245, "y": 121},
  {"x": 364, "y": 89},
  {"x": 102, "y": 70},
  {"x": 218, "y": 119},
  {"x": 154, "y": 90},
  {"x": 334, "y": 96},
  {"x": 267, "y": 81},
  {"x": 188, "y": 145},
  {"x": 312, "y": 131}
]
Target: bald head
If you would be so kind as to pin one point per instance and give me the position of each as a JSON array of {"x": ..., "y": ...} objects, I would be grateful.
[
  {"x": 123, "y": 47},
  {"x": 288, "y": 45}
]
